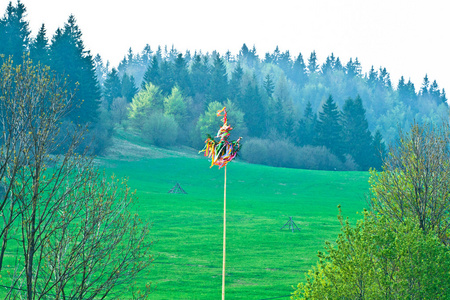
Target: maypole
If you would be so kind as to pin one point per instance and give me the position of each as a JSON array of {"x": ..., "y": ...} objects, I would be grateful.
[
  {"x": 224, "y": 231},
  {"x": 221, "y": 153}
]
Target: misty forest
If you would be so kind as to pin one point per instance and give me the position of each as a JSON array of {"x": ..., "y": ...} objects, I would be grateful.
[
  {"x": 293, "y": 110},
  {"x": 327, "y": 110}
]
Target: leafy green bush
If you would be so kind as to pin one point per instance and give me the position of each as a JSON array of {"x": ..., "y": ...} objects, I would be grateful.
[
  {"x": 146, "y": 102},
  {"x": 380, "y": 259},
  {"x": 282, "y": 153},
  {"x": 160, "y": 129}
]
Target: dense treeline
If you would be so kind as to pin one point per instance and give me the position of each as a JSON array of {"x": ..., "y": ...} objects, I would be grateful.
[
  {"x": 309, "y": 111},
  {"x": 67, "y": 56},
  {"x": 316, "y": 115}
]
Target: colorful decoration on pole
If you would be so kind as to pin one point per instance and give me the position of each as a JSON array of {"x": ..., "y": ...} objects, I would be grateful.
[{"x": 223, "y": 151}]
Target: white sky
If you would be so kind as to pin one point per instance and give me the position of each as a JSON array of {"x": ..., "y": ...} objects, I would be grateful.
[{"x": 408, "y": 37}]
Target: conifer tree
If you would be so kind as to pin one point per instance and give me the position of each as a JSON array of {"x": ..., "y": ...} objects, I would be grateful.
[
  {"x": 378, "y": 150},
  {"x": 167, "y": 78},
  {"x": 253, "y": 109},
  {"x": 181, "y": 74},
  {"x": 112, "y": 87},
  {"x": 306, "y": 130},
  {"x": 298, "y": 73},
  {"x": 328, "y": 127},
  {"x": 235, "y": 88},
  {"x": 199, "y": 75},
  {"x": 218, "y": 86},
  {"x": 269, "y": 85},
  {"x": 313, "y": 66},
  {"x": 14, "y": 32},
  {"x": 355, "y": 133},
  {"x": 129, "y": 88},
  {"x": 39, "y": 48},
  {"x": 69, "y": 57},
  {"x": 152, "y": 74}
]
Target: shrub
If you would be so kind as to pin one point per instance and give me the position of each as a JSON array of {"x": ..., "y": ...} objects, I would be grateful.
[
  {"x": 380, "y": 259},
  {"x": 160, "y": 129}
]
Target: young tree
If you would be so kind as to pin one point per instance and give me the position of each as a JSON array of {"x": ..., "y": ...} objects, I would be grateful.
[
  {"x": 175, "y": 105},
  {"x": 74, "y": 234},
  {"x": 209, "y": 122},
  {"x": 415, "y": 180},
  {"x": 147, "y": 101},
  {"x": 379, "y": 259}
]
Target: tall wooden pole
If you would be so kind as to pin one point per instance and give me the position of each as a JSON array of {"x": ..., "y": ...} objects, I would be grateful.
[{"x": 224, "y": 231}]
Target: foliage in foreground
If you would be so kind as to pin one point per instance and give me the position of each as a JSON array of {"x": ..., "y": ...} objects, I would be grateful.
[
  {"x": 379, "y": 259},
  {"x": 66, "y": 231},
  {"x": 415, "y": 180}
]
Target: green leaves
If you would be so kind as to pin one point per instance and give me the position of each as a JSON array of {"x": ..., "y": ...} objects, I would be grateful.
[{"x": 379, "y": 259}]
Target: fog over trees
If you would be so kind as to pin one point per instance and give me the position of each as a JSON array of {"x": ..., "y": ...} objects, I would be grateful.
[{"x": 314, "y": 109}]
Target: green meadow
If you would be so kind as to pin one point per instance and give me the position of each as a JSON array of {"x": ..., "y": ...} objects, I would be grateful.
[{"x": 262, "y": 260}]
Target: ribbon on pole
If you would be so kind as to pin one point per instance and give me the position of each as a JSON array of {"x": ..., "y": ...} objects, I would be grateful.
[{"x": 221, "y": 153}]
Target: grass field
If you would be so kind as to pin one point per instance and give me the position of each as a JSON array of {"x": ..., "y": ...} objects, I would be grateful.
[{"x": 262, "y": 260}]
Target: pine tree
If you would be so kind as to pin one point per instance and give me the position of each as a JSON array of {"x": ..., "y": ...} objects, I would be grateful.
[
  {"x": 444, "y": 97},
  {"x": 298, "y": 73},
  {"x": 253, "y": 109},
  {"x": 328, "y": 66},
  {"x": 218, "y": 85},
  {"x": 69, "y": 58},
  {"x": 181, "y": 74},
  {"x": 378, "y": 150},
  {"x": 14, "y": 32},
  {"x": 307, "y": 125},
  {"x": 129, "y": 88},
  {"x": 200, "y": 75},
  {"x": 329, "y": 129},
  {"x": 167, "y": 79},
  {"x": 112, "y": 87},
  {"x": 313, "y": 66},
  {"x": 406, "y": 92},
  {"x": 152, "y": 74},
  {"x": 425, "y": 86},
  {"x": 39, "y": 48},
  {"x": 373, "y": 78},
  {"x": 355, "y": 133},
  {"x": 269, "y": 85},
  {"x": 235, "y": 88},
  {"x": 285, "y": 61}
]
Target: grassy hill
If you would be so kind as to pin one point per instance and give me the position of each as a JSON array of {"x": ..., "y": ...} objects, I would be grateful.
[{"x": 262, "y": 260}]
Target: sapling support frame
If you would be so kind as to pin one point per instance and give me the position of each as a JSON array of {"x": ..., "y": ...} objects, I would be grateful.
[{"x": 291, "y": 225}]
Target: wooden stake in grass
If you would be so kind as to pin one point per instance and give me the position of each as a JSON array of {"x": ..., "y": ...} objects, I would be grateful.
[{"x": 221, "y": 153}]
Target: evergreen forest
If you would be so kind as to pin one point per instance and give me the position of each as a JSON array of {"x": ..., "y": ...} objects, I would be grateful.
[{"x": 292, "y": 109}]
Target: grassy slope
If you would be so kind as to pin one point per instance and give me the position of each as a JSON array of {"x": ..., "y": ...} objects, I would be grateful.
[{"x": 262, "y": 260}]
